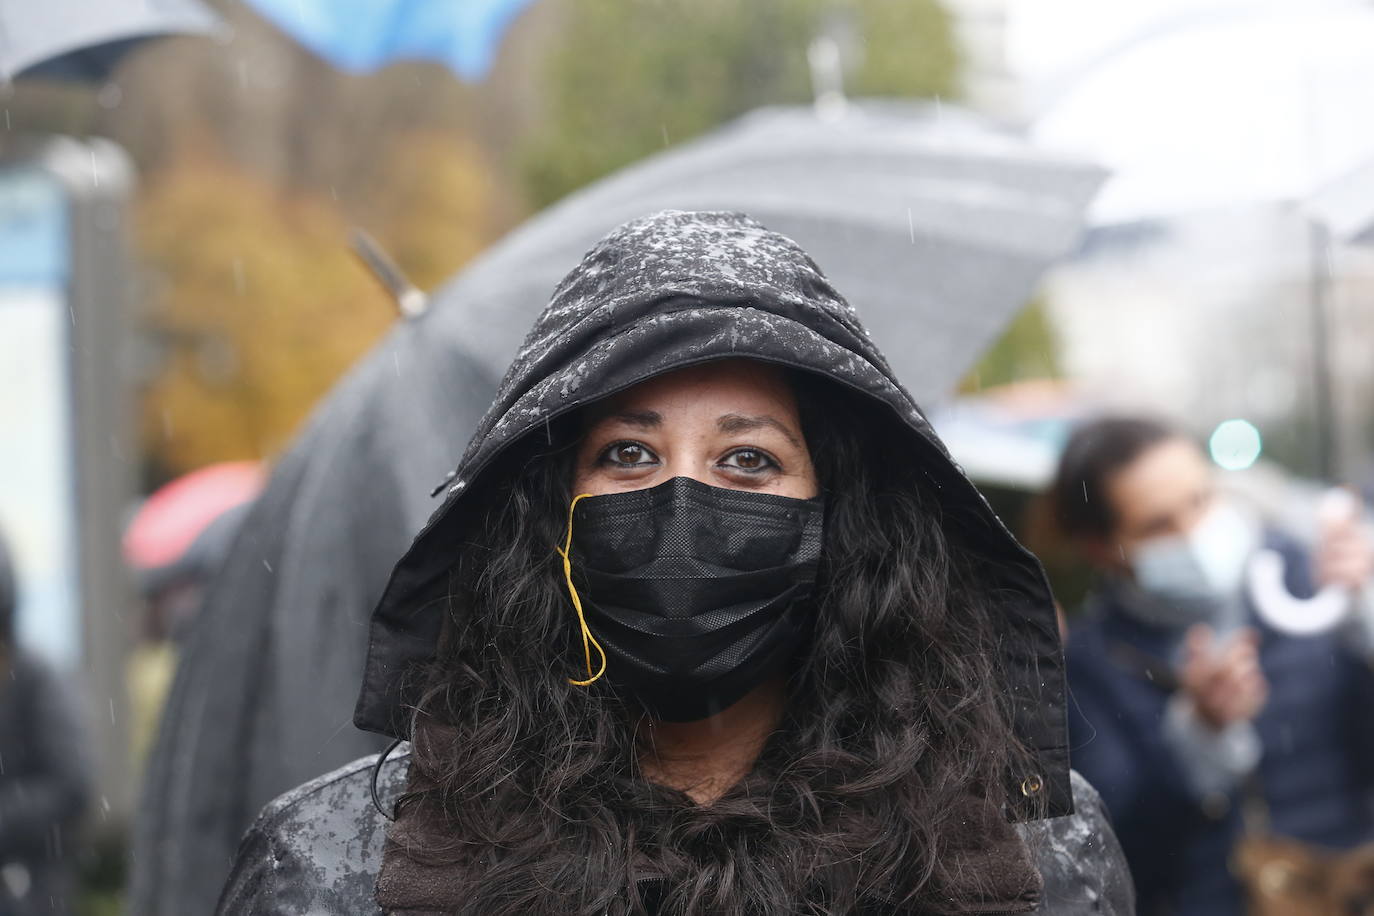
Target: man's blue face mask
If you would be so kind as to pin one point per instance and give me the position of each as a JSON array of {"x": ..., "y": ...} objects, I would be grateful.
[{"x": 1188, "y": 578}]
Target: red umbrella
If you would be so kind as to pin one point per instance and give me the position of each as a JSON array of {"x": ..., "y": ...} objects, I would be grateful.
[{"x": 170, "y": 520}]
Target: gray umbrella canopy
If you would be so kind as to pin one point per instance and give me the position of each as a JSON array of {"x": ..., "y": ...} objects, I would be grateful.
[
  {"x": 84, "y": 39},
  {"x": 933, "y": 224}
]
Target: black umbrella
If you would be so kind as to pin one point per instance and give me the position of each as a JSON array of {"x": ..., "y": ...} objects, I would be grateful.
[
  {"x": 84, "y": 39},
  {"x": 264, "y": 693},
  {"x": 925, "y": 218}
]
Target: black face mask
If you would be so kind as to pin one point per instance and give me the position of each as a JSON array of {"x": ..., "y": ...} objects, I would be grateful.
[{"x": 696, "y": 594}]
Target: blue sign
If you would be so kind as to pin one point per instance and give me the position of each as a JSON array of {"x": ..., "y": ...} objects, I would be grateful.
[
  {"x": 33, "y": 229},
  {"x": 37, "y": 469}
]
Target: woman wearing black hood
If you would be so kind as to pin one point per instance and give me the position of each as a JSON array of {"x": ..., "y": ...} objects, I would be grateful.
[{"x": 708, "y": 623}]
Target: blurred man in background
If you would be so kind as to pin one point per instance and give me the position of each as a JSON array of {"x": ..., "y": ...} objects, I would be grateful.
[
  {"x": 43, "y": 776},
  {"x": 1199, "y": 724}
]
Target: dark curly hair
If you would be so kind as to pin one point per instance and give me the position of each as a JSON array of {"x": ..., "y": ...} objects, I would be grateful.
[{"x": 895, "y": 714}]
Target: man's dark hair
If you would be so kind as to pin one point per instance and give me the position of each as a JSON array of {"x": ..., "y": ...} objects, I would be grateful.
[{"x": 1096, "y": 451}]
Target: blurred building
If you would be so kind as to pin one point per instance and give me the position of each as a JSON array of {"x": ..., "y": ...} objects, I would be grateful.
[{"x": 1201, "y": 313}]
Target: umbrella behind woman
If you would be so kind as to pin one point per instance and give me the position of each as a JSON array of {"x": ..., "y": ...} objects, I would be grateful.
[{"x": 83, "y": 40}]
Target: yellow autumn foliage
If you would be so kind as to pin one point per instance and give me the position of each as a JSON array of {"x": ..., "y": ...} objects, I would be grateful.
[
  {"x": 255, "y": 305},
  {"x": 436, "y": 205},
  {"x": 255, "y": 308}
]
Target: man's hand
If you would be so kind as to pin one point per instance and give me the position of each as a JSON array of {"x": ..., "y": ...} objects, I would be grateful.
[
  {"x": 1224, "y": 681},
  {"x": 1345, "y": 552}
]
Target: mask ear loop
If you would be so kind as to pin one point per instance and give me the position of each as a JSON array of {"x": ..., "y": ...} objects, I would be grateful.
[{"x": 588, "y": 640}]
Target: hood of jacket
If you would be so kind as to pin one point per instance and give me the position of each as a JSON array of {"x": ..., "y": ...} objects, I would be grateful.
[{"x": 678, "y": 289}]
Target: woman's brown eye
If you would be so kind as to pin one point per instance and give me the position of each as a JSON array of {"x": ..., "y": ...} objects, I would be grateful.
[
  {"x": 626, "y": 454},
  {"x": 748, "y": 459}
]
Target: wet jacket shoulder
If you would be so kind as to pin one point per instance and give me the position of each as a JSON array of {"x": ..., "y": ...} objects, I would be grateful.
[
  {"x": 316, "y": 851},
  {"x": 1080, "y": 859}
]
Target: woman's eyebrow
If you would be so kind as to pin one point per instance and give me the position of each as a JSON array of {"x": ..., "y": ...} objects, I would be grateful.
[
  {"x": 644, "y": 419},
  {"x": 735, "y": 423}
]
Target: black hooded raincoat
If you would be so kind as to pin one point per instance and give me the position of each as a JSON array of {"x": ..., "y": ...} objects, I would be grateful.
[{"x": 663, "y": 293}]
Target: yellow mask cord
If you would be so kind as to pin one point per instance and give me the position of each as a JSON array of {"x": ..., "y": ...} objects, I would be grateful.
[{"x": 588, "y": 640}]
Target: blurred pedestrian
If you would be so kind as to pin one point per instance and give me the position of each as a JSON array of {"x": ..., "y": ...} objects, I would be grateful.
[
  {"x": 1222, "y": 747},
  {"x": 708, "y": 624},
  {"x": 172, "y": 593},
  {"x": 43, "y": 777}
]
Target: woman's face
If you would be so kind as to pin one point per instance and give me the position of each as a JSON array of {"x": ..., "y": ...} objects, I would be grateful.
[{"x": 728, "y": 424}]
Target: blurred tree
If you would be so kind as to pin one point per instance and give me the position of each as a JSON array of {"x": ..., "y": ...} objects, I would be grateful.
[
  {"x": 624, "y": 79},
  {"x": 435, "y": 204},
  {"x": 256, "y": 304},
  {"x": 256, "y": 307},
  {"x": 1027, "y": 349}
]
